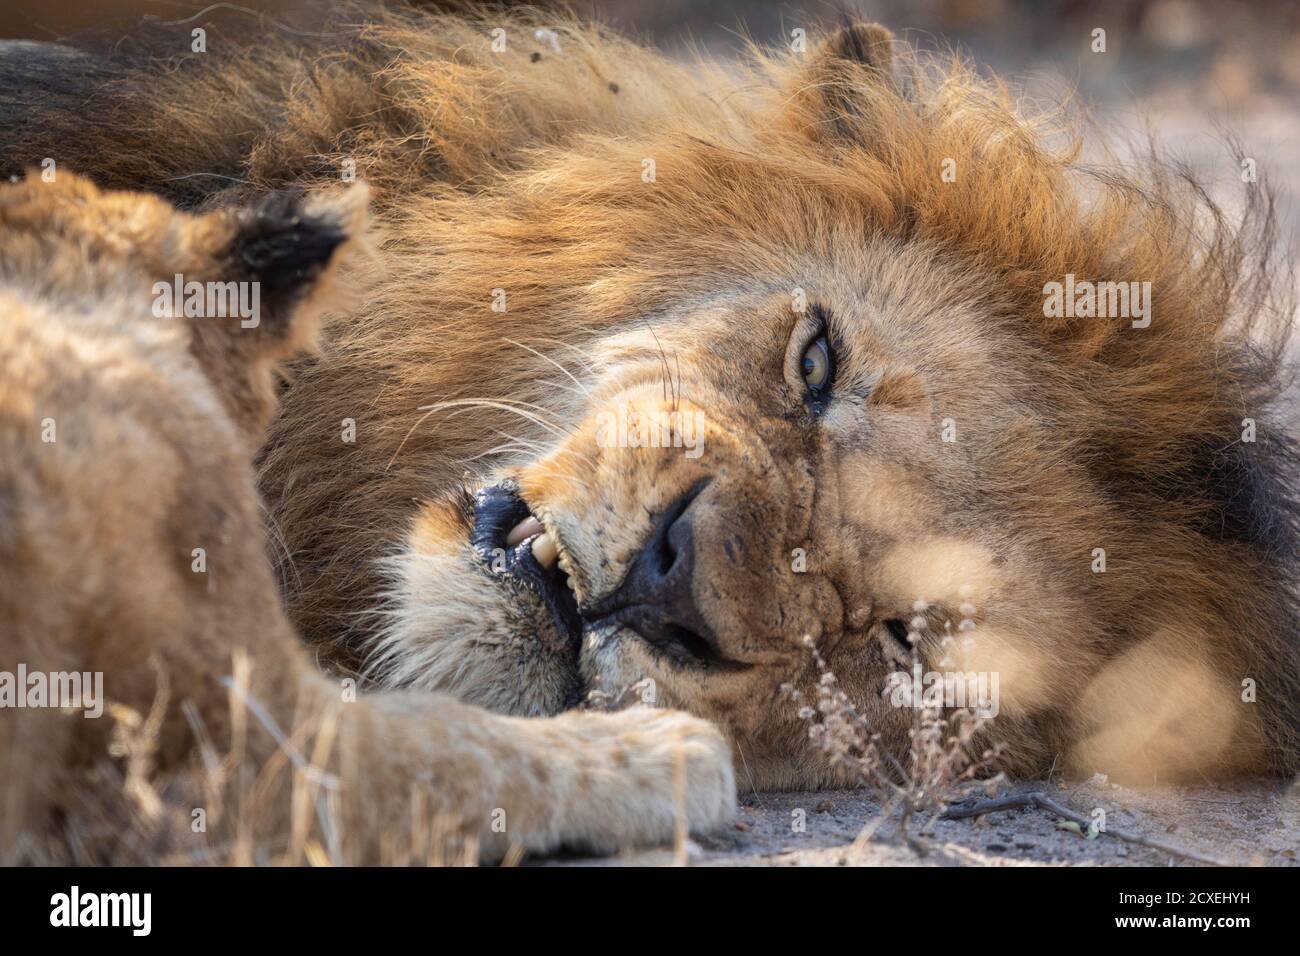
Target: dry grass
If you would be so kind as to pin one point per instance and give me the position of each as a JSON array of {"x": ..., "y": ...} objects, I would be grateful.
[{"x": 227, "y": 809}]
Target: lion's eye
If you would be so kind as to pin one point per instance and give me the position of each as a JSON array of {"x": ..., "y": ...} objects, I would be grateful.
[{"x": 818, "y": 365}]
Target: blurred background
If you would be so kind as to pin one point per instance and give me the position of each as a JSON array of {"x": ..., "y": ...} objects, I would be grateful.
[{"x": 1194, "y": 70}]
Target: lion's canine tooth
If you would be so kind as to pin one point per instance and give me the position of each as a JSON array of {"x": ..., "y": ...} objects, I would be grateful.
[
  {"x": 525, "y": 529},
  {"x": 544, "y": 550}
]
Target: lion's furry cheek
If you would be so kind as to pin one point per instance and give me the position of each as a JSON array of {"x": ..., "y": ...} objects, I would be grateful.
[
  {"x": 939, "y": 570},
  {"x": 883, "y": 498},
  {"x": 450, "y": 626}
]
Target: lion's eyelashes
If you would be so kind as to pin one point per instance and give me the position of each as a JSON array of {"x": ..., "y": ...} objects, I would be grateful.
[{"x": 817, "y": 360}]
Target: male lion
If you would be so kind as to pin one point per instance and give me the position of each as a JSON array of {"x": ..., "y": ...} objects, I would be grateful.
[
  {"x": 131, "y": 547},
  {"x": 674, "y": 368}
]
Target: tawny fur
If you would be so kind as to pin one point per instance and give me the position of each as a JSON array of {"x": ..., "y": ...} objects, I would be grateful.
[{"x": 523, "y": 170}]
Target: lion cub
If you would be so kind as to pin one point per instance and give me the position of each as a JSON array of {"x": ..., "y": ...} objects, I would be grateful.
[{"x": 143, "y": 645}]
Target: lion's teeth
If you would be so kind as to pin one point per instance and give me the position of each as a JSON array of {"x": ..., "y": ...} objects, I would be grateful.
[
  {"x": 525, "y": 529},
  {"x": 544, "y": 550}
]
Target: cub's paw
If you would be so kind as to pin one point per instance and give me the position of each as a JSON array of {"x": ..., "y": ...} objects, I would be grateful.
[{"x": 643, "y": 770}]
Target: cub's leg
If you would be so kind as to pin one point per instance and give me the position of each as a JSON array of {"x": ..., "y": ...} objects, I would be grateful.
[{"x": 585, "y": 781}]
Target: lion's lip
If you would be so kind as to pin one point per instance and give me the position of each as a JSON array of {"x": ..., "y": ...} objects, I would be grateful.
[
  {"x": 550, "y": 585},
  {"x": 499, "y": 511}
]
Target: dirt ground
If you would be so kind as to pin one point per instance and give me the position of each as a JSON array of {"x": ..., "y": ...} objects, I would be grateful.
[{"x": 1243, "y": 824}]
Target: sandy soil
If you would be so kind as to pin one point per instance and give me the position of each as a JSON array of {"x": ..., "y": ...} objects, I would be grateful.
[{"x": 1252, "y": 824}]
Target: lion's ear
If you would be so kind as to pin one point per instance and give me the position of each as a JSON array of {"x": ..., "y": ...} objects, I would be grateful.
[
  {"x": 867, "y": 45},
  {"x": 843, "y": 81}
]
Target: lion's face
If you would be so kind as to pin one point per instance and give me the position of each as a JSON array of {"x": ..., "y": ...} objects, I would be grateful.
[{"x": 767, "y": 467}]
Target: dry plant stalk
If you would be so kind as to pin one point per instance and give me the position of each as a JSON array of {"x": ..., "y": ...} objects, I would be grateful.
[{"x": 946, "y": 755}]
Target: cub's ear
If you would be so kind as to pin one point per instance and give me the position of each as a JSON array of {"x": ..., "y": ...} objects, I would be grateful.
[
  {"x": 843, "y": 81},
  {"x": 275, "y": 266},
  {"x": 292, "y": 246}
]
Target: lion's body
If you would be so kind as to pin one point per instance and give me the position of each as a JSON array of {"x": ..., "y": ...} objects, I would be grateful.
[{"x": 643, "y": 228}]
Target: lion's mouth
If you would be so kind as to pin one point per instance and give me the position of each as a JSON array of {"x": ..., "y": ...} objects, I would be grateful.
[
  {"x": 514, "y": 543},
  {"x": 518, "y": 542}
]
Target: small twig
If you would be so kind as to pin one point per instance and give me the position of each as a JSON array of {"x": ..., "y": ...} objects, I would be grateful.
[{"x": 1044, "y": 802}]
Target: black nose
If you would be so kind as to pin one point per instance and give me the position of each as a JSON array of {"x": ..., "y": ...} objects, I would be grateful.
[{"x": 656, "y": 598}]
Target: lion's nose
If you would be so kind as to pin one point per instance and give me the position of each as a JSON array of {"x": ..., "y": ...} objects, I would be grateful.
[
  {"x": 661, "y": 573},
  {"x": 656, "y": 598}
]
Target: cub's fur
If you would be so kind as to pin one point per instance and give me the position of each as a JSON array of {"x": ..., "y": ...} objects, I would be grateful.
[
  {"x": 126, "y": 443},
  {"x": 664, "y": 240}
]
